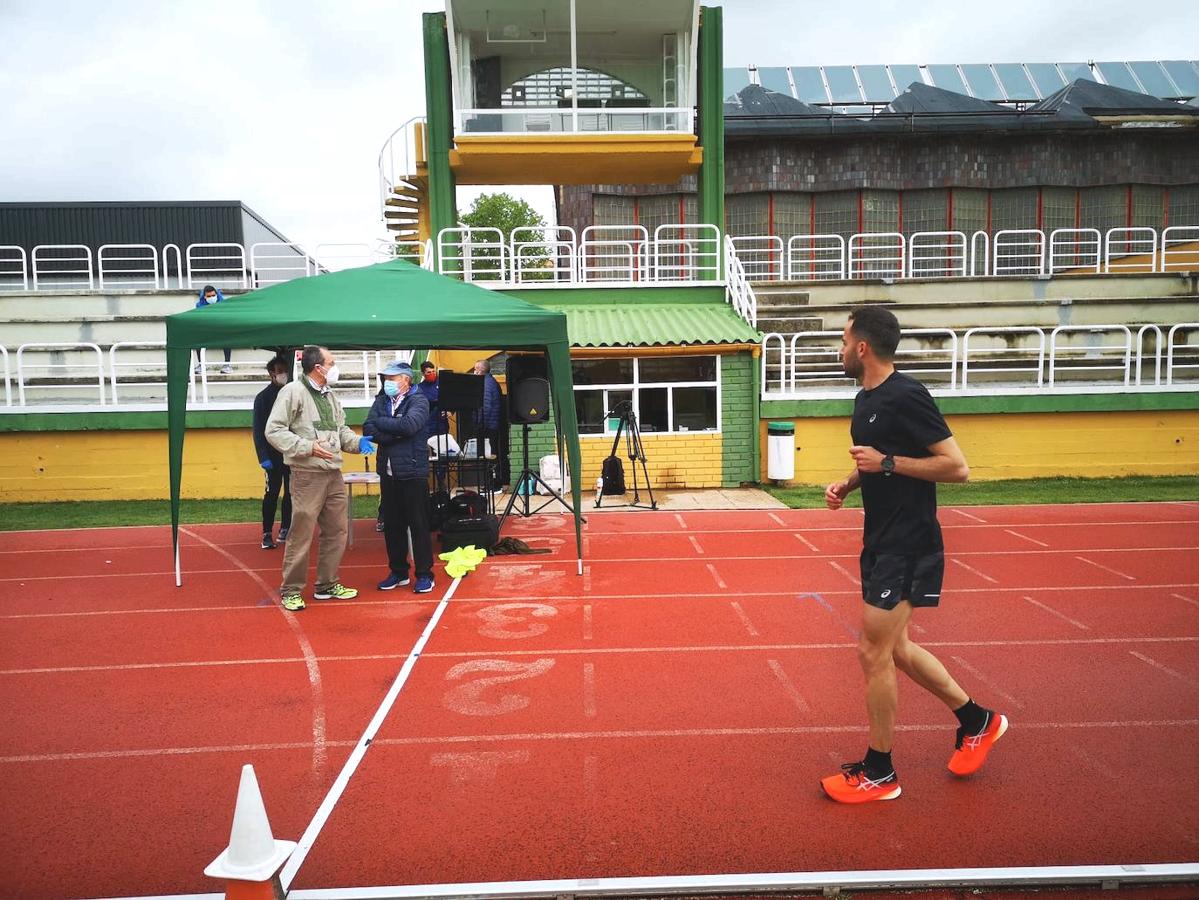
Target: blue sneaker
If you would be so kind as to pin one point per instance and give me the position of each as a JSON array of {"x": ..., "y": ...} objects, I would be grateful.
[
  {"x": 424, "y": 585},
  {"x": 393, "y": 581}
]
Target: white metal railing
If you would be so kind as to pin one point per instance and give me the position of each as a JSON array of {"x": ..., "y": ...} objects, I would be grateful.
[
  {"x": 937, "y": 254},
  {"x": 878, "y": 255},
  {"x": 816, "y": 257},
  {"x": 129, "y": 266},
  {"x": 152, "y": 370},
  {"x": 1075, "y": 249},
  {"x": 474, "y": 254},
  {"x": 1177, "y": 254},
  {"x": 1018, "y": 251},
  {"x": 63, "y": 267},
  {"x": 543, "y": 254},
  {"x": 980, "y": 254},
  {"x": 14, "y": 269},
  {"x": 1093, "y": 356},
  {"x": 52, "y": 366},
  {"x": 167, "y": 252},
  {"x": 7, "y": 377},
  {"x": 399, "y": 157},
  {"x": 686, "y": 253},
  {"x": 427, "y": 258},
  {"x": 274, "y": 262},
  {"x": 566, "y": 120},
  {"x": 1121, "y": 243},
  {"x": 221, "y": 265},
  {"x": 1072, "y": 358},
  {"x": 1188, "y": 329},
  {"x": 763, "y": 257},
  {"x": 410, "y": 251},
  {"x": 614, "y": 253},
  {"x": 738, "y": 291}
]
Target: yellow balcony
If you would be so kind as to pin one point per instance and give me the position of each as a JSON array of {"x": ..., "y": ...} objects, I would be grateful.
[{"x": 574, "y": 158}]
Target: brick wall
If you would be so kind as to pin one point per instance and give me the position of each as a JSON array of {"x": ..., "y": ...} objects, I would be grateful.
[{"x": 737, "y": 419}]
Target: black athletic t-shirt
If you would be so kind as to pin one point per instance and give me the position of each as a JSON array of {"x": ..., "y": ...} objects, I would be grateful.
[{"x": 899, "y": 418}]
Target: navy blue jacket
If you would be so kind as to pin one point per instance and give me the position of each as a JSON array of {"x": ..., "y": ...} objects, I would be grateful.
[
  {"x": 401, "y": 438},
  {"x": 263, "y": 404},
  {"x": 493, "y": 399},
  {"x": 437, "y": 423}
]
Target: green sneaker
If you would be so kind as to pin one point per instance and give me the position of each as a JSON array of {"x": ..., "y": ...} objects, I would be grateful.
[
  {"x": 335, "y": 591},
  {"x": 292, "y": 602}
]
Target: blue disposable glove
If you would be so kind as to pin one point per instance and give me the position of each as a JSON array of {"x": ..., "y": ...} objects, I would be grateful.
[
  {"x": 266, "y": 464},
  {"x": 365, "y": 446}
]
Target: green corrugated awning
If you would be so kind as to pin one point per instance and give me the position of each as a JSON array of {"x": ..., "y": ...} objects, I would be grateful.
[{"x": 655, "y": 325}]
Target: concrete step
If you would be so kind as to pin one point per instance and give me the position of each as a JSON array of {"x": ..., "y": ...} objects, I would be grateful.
[
  {"x": 788, "y": 325},
  {"x": 78, "y": 304}
]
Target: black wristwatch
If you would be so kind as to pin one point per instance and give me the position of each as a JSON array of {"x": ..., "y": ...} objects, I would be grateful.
[{"x": 888, "y": 464}]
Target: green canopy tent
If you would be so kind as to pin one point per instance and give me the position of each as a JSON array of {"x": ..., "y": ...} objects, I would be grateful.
[{"x": 393, "y": 304}]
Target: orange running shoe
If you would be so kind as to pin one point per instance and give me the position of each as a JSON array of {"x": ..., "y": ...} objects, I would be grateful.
[
  {"x": 970, "y": 750},
  {"x": 853, "y": 785}
]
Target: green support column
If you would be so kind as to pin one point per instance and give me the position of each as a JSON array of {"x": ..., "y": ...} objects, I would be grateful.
[
  {"x": 439, "y": 130},
  {"x": 710, "y": 182}
]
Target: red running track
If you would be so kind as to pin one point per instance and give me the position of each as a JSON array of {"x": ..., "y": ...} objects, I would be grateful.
[{"x": 667, "y": 713}]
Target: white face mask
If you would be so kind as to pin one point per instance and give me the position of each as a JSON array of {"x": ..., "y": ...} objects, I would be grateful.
[
  {"x": 281, "y": 379},
  {"x": 331, "y": 375}
]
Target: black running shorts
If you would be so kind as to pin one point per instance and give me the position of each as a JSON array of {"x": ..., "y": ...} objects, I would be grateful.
[{"x": 887, "y": 579}]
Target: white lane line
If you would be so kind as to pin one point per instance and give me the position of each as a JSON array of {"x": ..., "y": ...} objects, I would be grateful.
[
  {"x": 319, "y": 755},
  {"x": 974, "y": 571},
  {"x": 1053, "y": 612},
  {"x": 803, "y": 540},
  {"x": 968, "y": 516},
  {"x": 749, "y": 626},
  {"x": 789, "y": 687},
  {"x": 1026, "y": 537},
  {"x": 312, "y": 832},
  {"x": 678, "y": 518},
  {"x": 589, "y": 690},
  {"x": 1103, "y": 769},
  {"x": 1105, "y": 568},
  {"x": 857, "y": 728},
  {"x": 844, "y": 571},
  {"x": 774, "y": 517},
  {"x": 587, "y": 579},
  {"x": 1184, "y": 599},
  {"x": 695, "y": 544},
  {"x": 588, "y": 632},
  {"x": 988, "y": 682},
  {"x": 1164, "y": 668},
  {"x": 719, "y": 581}
]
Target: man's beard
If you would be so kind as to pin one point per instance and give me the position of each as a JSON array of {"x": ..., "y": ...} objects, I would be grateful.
[{"x": 853, "y": 367}]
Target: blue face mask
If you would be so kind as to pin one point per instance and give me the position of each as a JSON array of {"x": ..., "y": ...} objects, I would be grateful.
[{"x": 391, "y": 389}]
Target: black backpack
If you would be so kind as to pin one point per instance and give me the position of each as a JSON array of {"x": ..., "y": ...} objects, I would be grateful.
[
  {"x": 439, "y": 509},
  {"x": 467, "y": 505},
  {"x": 613, "y": 476}
]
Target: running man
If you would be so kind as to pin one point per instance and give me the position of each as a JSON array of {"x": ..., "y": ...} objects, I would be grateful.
[{"x": 902, "y": 447}]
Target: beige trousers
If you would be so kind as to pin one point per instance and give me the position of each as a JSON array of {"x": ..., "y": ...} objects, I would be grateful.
[{"x": 317, "y": 498}]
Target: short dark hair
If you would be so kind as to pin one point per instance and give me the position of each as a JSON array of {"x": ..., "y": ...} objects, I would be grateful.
[
  {"x": 313, "y": 354},
  {"x": 878, "y": 327},
  {"x": 277, "y": 362},
  {"x": 427, "y": 365},
  {"x": 207, "y": 288}
]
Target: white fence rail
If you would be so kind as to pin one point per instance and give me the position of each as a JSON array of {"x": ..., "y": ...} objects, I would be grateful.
[
  {"x": 1068, "y": 358},
  {"x": 738, "y": 291},
  {"x": 131, "y": 266}
]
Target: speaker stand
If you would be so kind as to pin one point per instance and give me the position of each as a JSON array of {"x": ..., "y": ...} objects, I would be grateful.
[{"x": 526, "y": 481}]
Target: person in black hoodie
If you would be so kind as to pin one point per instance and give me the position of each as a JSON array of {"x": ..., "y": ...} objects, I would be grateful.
[
  {"x": 278, "y": 475},
  {"x": 397, "y": 422}
]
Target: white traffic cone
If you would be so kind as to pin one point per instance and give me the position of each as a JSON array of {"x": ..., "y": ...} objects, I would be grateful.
[{"x": 253, "y": 855}]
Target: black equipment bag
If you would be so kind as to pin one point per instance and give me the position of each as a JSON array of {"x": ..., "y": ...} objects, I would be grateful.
[
  {"x": 613, "y": 476},
  {"x": 480, "y": 531},
  {"x": 467, "y": 504},
  {"x": 439, "y": 509}
]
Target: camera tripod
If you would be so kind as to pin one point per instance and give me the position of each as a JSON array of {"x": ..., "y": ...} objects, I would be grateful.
[
  {"x": 523, "y": 486},
  {"x": 635, "y": 452}
]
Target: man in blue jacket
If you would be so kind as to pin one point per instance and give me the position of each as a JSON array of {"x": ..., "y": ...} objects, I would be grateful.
[
  {"x": 210, "y": 296},
  {"x": 397, "y": 422}
]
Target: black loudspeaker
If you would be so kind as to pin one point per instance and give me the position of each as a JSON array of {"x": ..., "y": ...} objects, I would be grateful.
[
  {"x": 459, "y": 393},
  {"x": 529, "y": 401}
]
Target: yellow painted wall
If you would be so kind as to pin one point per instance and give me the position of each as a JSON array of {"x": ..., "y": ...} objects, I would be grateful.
[
  {"x": 1029, "y": 445},
  {"x": 673, "y": 461}
]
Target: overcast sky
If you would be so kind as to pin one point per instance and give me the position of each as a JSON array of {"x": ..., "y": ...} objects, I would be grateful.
[{"x": 284, "y": 104}]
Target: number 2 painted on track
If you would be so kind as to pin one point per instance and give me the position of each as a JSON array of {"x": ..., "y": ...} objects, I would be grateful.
[
  {"x": 499, "y": 620},
  {"x": 467, "y": 699}
]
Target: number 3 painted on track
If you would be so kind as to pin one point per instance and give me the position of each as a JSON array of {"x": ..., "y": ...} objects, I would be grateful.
[
  {"x": 497, "y": 619},
  {"x": 466, "y": 699}
]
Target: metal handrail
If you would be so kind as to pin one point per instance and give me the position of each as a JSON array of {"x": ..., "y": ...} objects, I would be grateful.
[
  {"x": 975, "y": 243},
  {"x": 738, "y": 291},
  {"x": 166, "y": 267},
  {"x": 387, "y": 179},
  {"x": 266, "y": 258},
  {"x": 952, "y": 246},
  {"x": 835, "y": 243},
  {"x": 1126, "y": 367},
  {"x": 1170, "y": 367},
  {"x": 634, "y": 237},
  {"x": 1189, "y": 235},
  {"x": 82, "y": 345},
  {"x": 767, "y": 340},
  {"x": 102, "y": 257},
  {"x": 474, "y": 260},
  {"x": 871, "y": 247},
  {"x": 7, "y": 377},
  {"x": 999, "y": 265},
  {"x": 702, "y": 241},
  {"x": 1157, "y": 352},
  {"x": 1129, "y": 239},
  {"x": 21, "y": 258},
  {"x": 40, "y": 257},
  {"x": 1030, "y": 330},
  {"x": 232, "y": 266},
  {"x": 749, "y": 249},
  {"x": 1087, "y": 246}
]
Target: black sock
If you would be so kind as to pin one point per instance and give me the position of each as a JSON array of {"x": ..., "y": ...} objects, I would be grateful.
[
  {"x": 971, "y": 716},
  {"x": 878, "y": 764}
]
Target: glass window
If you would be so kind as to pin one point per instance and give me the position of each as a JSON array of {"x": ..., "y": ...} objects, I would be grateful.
[
  {"x": 1185, "y": 75},
  {"x": 982, "y": 82},
  {"x": 1153, "y": 78},
  {"x": 589, "y": 409},
  {"x": 747, "y": 214},
  {"x": 775, "y": 80},
  {"x": 1147, "y": 209},
  {"x": 842, "y": 85},
  {"x": 969, "y": 211},
  {"x": 1104, "y": 207},
  {"x": 655, "y": 211},
  {"x": 1184, "y": 204},
  {"x": 947, "y": 78},
  {"x": 694, "y": 409},
  {"x": 880, "y": 211},
  {"x": 1016, "y": 85},
  {"x": 1059, "y": 208},
  {"x": 876, "y": 84},
  {"x": 612, "y": 210},
  {"x": 659, "y": 369},
  {"x": 836, "y": 212},
  {"x": 653, "y": 412},
  {"x": 1047, "y": 77},
  {"x": 809, "y": 84},
  {"x": 1117, "y": 74},
  {"x": 792, "y": 214},
  {"x": 1013, "y": 208},
  {"x": 602, "y": 371},
  {"x": 925, "y": 210},
  {"x": 906, "y": 76}
]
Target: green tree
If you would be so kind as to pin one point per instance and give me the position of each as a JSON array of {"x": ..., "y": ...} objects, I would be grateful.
[{"x": 505, "y": 212}]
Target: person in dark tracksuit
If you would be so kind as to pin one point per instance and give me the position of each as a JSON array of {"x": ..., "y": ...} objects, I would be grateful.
[
  {"x": 398, "y": 423},
  {"x": 278, "y": 475}
]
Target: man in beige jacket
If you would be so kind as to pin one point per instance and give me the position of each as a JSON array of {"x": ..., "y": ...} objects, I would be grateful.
[{"x": 307, "y": 425}]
